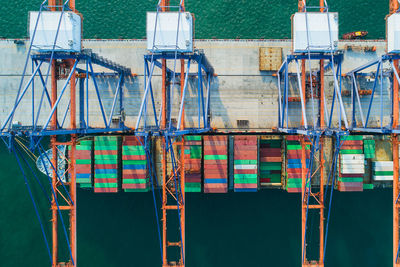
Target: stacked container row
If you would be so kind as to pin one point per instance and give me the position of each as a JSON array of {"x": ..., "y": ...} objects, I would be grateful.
[
  {"x": 245, "y": 164},
  {"x": 294, "y": 164},
  {"x": 382, "y": 170},
  {"x": 83, "y": 163},
  {"x": 270, "y": 161},
  {"x": 352, "y": 162},
  {"x": 369, "y": 148},
  {"x": 106, "y": 164},
  {"x": 215, "y": 164},
  {"x": 193, "y": 152},
  {"x": 135, "y": 176}
]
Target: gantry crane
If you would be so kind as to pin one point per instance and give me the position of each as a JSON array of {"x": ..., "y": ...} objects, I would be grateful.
[
  {"x": 62, "y": 64},
  {"x": 173, "y": 50},
  {"x": 310, "y": 47}
]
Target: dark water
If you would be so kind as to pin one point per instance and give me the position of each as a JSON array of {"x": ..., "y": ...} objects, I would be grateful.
[{"x": 246, "y": 229}]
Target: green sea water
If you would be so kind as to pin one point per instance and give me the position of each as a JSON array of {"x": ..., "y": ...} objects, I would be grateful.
[{"x": 235, "y": 229}]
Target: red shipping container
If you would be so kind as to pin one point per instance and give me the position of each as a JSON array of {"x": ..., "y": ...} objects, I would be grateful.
[
  {"x": 246, "y": 157},
  {"x": 193, "y": 175},
  {"x": 133, "y": 157},
  {"x": 348, "y": 147},
  {"x": 215, "y": 137},
  {"x": 296, "y": 154},
  {"x": 192, "y": 180},
  {"x": 193, "y": 167},
  {"x": 271, "y": 152},
  {"x": 245, "y": 142},
  {"x": 294, "y": 175},
  {"x": 216, "y": 172},
  {"x": 105, "y": 166},
  {"x": 265, "y": 180},
  {"x": 291, "y": 170},
  {"x": 292, "y": 137},
  {"x": 350, "y": 184},
  {"x": 193, "y": 143},
  {"x": 106, "y": 190},
  {"x": 351, "y": 175},
  {"x": 343, "y": 187},
  {"x": 105, "y": 180},
  {"x": 133, "y": 176},
  {"x": 215, "y": 162},
  {"x": 353, "y": 143},
  {"x": 246, "y": 186},
  {"x": 137, "y": 172},
  {"x": 215, "y": 143},
  {"x": 134, "y": 186},
  {"x": 106, "y": 152},
  {"x": 246, "y": 147},
  {"x": 132, "y": 143},
  {"x": 293, "y": 190},
  {"x": 83, "y": 154},
  {"x": 270, "y": 159},
  {"x": 87, "y": 168},
  {"x": 245, "y": 171},
  {"x": 215, "y": 190},
  {"x": 218, "y": 169}
]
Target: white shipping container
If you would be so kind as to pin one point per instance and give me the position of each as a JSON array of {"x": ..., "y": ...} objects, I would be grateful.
[
  {"x": 69, "y": 34},
  {"x": 393, "y": 33},
  {"x": 353, "y": 162},
  {"x": 382, "y": 164},
  {"x": 352, "y": 170},
  {"x": 245, "y": 167},
  {"x": 319, "y": 30},
  {"x": 345, "y": 157},
  {"x": 165, "y": 37},
  {"x": 382, "y": 178},
  {"x": 354, "y": 167}
]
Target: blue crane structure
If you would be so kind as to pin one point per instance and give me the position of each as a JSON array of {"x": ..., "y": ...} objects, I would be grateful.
[
  {"x": 318, "y": 121},
  {"x": 74, "y": 68},
  {"x": 169, "y": 125}
]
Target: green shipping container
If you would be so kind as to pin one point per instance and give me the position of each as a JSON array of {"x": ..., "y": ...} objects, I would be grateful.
[
  {"x": 105, "y": 185},
  {"x": 134, "y": 162},
  {"x": 133, "y": 153},
  {"x": 352, "y": 138},
  {"x": 80, "y": 147},
  {"x": 383, "y": 173},
  {"x": 193, "y": 138},
  {"x": 195, "y": 152},
  {"x": 215, "y": 157},
  {"x": 368, "y": 186},
  {"x": 245, "y": 162},
  {"x": 97, "y": 147},
  {"x": 270, "y": 168},
  {"x": 83, "y": 161},
  {"x": 134, "y": 181},
  {"x": 351, "y": 151},
  {"x": 245, "y": 176},
  {"x": 106, "y": 175},
  {"x": 105, "y": 157},
  {"x": 245, "y": 180},
  {"x": 106, "y": 161},
  {"x": 351, "y": 179}
]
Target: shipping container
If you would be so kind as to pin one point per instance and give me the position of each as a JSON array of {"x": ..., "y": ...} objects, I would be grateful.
[
  {"x": 215, "y": 164},
  {"x": 106, "y": 164},
  {"x": 135, "y": 174}
]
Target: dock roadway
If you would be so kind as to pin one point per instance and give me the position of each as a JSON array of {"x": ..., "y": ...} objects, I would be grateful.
[{"x": 240, "y": 91}]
